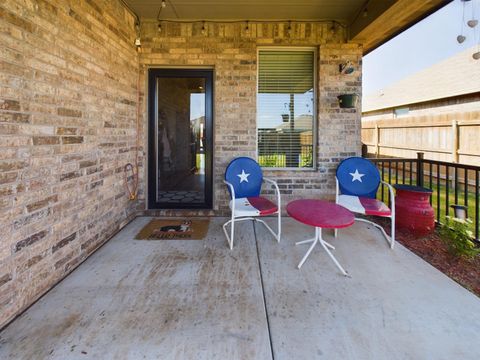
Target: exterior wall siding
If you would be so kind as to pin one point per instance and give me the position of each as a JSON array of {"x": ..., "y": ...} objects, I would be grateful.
[
  {"x": 68, "y": 78},
  {"x": 464, "y": 103},
  {"x": 232, "y": 52}
]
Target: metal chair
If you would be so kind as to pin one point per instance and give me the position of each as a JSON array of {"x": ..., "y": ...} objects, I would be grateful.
[
  {"x": 357, "y": 182},
  {"x": 244, "y": 178}
]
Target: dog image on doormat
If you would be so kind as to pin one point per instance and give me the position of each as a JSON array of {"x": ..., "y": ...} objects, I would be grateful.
[{"x": 174, "y": 229}]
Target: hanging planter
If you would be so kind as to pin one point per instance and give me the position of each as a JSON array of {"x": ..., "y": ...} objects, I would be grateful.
[
  {"x": 286, "y": 117},
  {"x": 347, "y": 101}
]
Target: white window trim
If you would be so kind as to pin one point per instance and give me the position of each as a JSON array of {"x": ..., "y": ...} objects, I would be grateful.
[{"x": 314, "y": 50}]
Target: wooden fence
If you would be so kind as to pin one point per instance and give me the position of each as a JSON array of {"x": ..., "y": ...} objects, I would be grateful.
[{"x": 453, "y": 137}]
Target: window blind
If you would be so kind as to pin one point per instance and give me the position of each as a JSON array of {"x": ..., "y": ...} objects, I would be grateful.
[{"x": 285, "y": 108}]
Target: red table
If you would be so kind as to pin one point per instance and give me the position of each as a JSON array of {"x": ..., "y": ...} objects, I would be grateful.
[{"x": 322, "y": 215}]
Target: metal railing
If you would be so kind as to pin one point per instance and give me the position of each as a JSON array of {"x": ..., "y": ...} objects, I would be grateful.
[{"x": 451, "y": 183}]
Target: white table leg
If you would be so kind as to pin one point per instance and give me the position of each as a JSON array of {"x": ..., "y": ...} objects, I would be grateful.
[
  {"x": 314, "y": 240},
  {"x": 308, "y": 253},
  {"x": 325, "y": 245},
  {"x": 329, "y": 245},
  {"x": 306, "y": 241}
]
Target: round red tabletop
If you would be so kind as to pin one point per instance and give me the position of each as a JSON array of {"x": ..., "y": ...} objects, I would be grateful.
[{"x": 320, "y": 213}]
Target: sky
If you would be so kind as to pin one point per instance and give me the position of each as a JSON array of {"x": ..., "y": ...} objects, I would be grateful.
[
  {"x": 197, "y": 105},
  {"x": 424, "y": 44}
]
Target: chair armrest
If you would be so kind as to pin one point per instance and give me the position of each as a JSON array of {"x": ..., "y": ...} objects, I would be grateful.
[
  {"x": 337, "y": 190},
  {"x": 274, "y": 184},
  {"x": 392, "y": 196},
  {"x": 232, "y": 189},
  {"x": 277, "y": 190}
]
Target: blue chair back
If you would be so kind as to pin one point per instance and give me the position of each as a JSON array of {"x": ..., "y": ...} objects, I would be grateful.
[
  {"x": 359, "y": 177},
  {"x": 246, "y": 177}
]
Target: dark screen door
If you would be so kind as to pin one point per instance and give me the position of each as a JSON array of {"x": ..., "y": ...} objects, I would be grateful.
[{"x": 180, "y": 139}]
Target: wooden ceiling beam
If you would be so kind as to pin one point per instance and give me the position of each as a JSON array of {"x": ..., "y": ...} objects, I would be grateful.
[{"x": 386, "y": 19}]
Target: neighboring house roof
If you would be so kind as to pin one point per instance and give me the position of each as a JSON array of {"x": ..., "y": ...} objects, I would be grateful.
[
  {"x": 302, "y": 122},
  {"x": 457, "y": 75}
]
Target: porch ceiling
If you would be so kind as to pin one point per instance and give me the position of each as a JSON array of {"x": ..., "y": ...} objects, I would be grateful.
[
  {"x": 249, "y": 9},
  {"x": 382, "y": 19}
]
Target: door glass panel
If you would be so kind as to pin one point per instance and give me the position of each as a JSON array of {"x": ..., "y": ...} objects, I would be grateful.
[{"x": 180, "y": 140}]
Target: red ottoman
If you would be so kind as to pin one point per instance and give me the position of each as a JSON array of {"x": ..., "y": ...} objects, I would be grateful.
[{"x": 413, "y": 211}]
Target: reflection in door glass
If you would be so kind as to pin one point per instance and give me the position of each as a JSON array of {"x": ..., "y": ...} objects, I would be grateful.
[{"x": 181, "y": 140}]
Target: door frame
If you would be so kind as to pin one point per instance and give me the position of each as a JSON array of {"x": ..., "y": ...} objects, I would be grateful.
[{"x": 152, "y": 140}]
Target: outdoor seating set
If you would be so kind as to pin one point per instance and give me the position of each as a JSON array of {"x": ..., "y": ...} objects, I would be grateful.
[{"x": 357, "y": 181}]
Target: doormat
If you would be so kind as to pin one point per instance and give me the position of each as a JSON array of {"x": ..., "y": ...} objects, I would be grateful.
[{"x": 174, "y": 229}]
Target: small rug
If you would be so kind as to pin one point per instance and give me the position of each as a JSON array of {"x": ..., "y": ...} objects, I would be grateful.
[{"x": 174, "y": 229}]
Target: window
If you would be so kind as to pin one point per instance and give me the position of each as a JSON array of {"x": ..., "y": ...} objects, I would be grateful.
[
  {"x": 286, "y": 108},
  {"x": 399, "y": 112}
]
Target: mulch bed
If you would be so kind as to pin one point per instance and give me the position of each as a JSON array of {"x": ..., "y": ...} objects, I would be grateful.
[{"x": 432, "y": 249}]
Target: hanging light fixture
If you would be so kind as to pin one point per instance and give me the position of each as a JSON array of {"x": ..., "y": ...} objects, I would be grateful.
[
  {"x": 461, "y": 38},
  {"x": 138, "y": 42},
  {"x": 472, "y": 23},
  {"x": 164, "y": 4},
  {"x": 289, "y": 29},
  {"x": 332, "y": 28}
]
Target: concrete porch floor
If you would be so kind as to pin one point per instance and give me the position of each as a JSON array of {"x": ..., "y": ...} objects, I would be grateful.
[{"x": 199, "y": 300}]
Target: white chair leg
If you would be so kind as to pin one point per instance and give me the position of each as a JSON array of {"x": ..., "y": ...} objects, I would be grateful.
[
  {"x": 389, "y": 239},
  {"x": 229, "y": 238},
  {"x": 335, "y": 232},
  {"x": 392, "y": 231},
  {"x": 275, "y": 235},
  {"x": 279, "y": 226},
  {"x": 232, "y": 233}
]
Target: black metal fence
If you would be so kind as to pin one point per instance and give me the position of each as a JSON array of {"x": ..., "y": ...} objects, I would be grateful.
[{"x": 451, "y": 183}]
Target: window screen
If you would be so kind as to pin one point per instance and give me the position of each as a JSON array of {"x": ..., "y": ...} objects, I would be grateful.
[{"x": 285, "y": 108}]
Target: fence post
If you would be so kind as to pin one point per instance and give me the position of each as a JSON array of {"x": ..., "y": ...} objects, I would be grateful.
[
  {"x": 454, "y": 151},
  {"x": 454, "y": 141},
  {"x": 420, "y": 169}
]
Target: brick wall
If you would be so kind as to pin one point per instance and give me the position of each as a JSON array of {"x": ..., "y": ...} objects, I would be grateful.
[
  {"x": 68, "y": 73},
  {"x": 232, "y": 52}
]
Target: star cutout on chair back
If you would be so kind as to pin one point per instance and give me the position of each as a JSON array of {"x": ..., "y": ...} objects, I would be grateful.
[
  {"x": 355, "y": 176},
  {"x": 243, "y": 177}
]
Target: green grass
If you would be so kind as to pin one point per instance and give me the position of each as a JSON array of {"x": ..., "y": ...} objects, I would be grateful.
[
  {"x": 280, "y": 160},
  {"x": 275, "y": 160}
]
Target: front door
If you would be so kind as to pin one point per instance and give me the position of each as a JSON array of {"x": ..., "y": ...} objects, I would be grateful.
[{"x": 180, "y": 139}]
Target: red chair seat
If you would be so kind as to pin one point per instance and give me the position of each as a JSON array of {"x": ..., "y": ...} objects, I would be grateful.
[
  {"x": 253, "y": 206},
  {"x": 364, "y": 205}
]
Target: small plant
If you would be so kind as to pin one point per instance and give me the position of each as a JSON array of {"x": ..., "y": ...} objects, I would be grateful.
[{"x": 456, "y": 234}]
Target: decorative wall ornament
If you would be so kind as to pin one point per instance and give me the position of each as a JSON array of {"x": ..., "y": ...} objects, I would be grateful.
[{"x": 472, "y": 24}]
